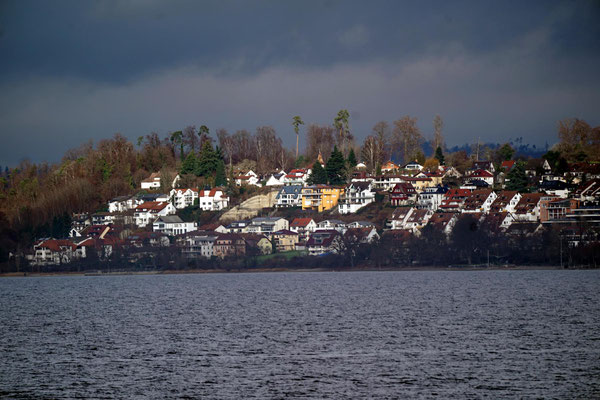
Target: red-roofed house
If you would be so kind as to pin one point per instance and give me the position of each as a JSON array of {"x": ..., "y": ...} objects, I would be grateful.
[
  {"x": 212, "y": 200},
  {"x": 443, "y": 221},
  {"x": 147, "y": 212},
  {"x": 389, "y": 167},
  {"x": 403, "y": 194},
  {"x": 507, "y": 165},
  {"x": 479, "y": 201},
  {"x": 52, "y": 252},
  {"x": 506, "y": 201},
  {"x": 528, "y": 207},
  {"x": 323, "y": 241},
  {"x": 303, "y": 227},
  {"x": 454, "y": 199},
  {"x": 482, "y": 175},
  {"x": 297, "y": 176}
]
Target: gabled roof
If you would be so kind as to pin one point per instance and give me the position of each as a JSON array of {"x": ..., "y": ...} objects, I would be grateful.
[
  {"x": 418, "y": 216},
  {"x": 400, "y": 213},
  {"x": 322, "y": 238},
  {"x": 152, "y": 206},
  {"x": 476, "y": 199},
  {"x": 209, "y": 193},
  {"x": 508, "y": 165},
  {"x": 528, "y": 202},
  {"x": 501, "y": 201},
  {"x": 285, "y": 232},
  {"x": 155, "y": 176},
  {"x": 440, "y": 220},
  {"x": 481, "y": 173},
  {"x": 290, "y": 189},
  {"x": 404, "y": 188},
  {"x": 210, "y": 227},
  {"x": 185, "y": 190},
  {"x": 361, "y": 186},
  {"x": 169, "y": 219},
  {"x": 56, "y": 244},
  {"x": 300, "y": 222}
]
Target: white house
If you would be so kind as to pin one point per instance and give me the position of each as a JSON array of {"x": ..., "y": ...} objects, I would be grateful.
[
  {"x": 149, "y": 211},
  {"x": 482, "y": 175},
  {"x": 303, "y": 227},
  {"x": 413, "y": 166},
  {"x": 276, "y": 179},
  {"x": 356, "y": 196},
  {"x": 183, "y": 198},
  {"x": 335, "y": 224},
  {"x": 248, "y": 178},
  {"x": 323, "y": 241},
  {"x": 172, "y": 225},
  {"x": 267, "y": 225},
  {"x": 431, "y": 197},
  {"x": 121, "y": 204},
  {"x": 153, "y": 181},
  {"x": 362, "y": 235},
  {"x": 212, "y": 200},
  {"x": 197, "y": 244},
  {"x": 52, "y": 252},
  {"x": 297, "y": 176},
  {"x": 289, "y": 196}
]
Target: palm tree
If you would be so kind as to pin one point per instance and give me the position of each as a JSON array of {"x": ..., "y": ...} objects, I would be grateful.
[
  {"x": 341, "y": 123},
  {"x": 296, "y": 123}
]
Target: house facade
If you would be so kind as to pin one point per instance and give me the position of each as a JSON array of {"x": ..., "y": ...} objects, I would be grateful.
[
  {"x": 356, "y": 196},
  {"x": 148, "y": 212},
  {"x": 212, "y": 200},
  {"x": 320, "y": 197},
  {"x": 182, "y": 198},
  {"x": 172, "y": 225},
  {"x": 303, "y": 227},
  {"x": 289, "y": 196}
]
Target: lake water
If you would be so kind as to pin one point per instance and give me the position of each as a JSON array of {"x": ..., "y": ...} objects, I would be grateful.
[{"x": 494, "y": 334}]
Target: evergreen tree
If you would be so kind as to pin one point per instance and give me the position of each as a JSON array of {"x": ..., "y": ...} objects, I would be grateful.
[
  {"x": 189, "y": 164},
  {"x": 517, "y": 178},
  {"x": 352, "y": 159},
  {"x": 335, "y": 168},
  {"x": 208, "y": 161},
  {"x": 439, "y": 155},
  {"x": 220, "y": 178},
  {"x": 318, "y": 175}
]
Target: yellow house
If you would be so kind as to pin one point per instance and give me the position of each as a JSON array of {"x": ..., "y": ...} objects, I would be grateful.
[{"x": 320, "y": 197}]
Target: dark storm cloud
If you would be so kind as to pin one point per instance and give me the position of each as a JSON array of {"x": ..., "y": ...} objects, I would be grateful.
[{"x": 78, "y": 70}]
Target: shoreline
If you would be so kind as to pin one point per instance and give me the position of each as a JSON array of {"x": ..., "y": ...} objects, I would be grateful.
[{"x": 284, "y": 269}]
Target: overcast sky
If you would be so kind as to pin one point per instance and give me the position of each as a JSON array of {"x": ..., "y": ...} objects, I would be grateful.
[{"x": 75, "y": 70}]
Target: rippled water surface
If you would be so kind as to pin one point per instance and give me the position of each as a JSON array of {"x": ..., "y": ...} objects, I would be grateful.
[{"x": 494, "y": 334}]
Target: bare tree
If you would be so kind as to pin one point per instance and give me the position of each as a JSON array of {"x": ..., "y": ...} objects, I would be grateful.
[
  {"x": 243, "y": 146},
  {"x": 370, "y": 152},
  {"x": 381, "y": 130},
  {"x": 189, "y": 138},
  {"x": 268, "y": 148},
  {"x": 226, "y": 144},
  {"x": 319, "y": 138},
  {"x": 407, "y": 137}
]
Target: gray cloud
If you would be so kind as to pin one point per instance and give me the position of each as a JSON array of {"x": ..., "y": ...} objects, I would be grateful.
[{"x": 73, "y": 71}]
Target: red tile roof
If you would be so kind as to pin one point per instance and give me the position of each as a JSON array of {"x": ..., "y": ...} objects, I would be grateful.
[{"x": 300, "y": 222}]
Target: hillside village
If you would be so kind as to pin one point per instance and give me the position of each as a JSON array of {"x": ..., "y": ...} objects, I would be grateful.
[{"x": 284, "y": 214}]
